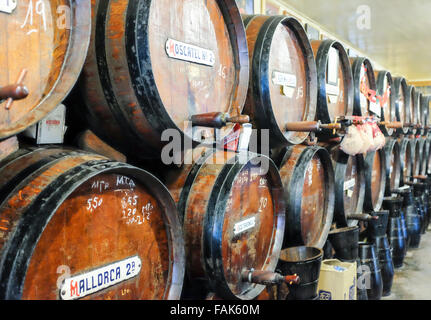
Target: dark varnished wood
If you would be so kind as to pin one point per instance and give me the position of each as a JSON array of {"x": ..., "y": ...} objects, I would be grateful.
[
  {"x": 349, "y": 186},
  {"x": 308, "y": 181},
  {"x": 402, "y": 110},
  {"x": 51, "y": 52},
  {"x": 213, "y": 195},
  {"x": 375, "y": 180},
  {"x": 134, "y": 90},
  {"x": 331, "y": 104},
  {"x": 361, "y": 103},
  {"x": 411, "y": 94},
  {"x": 279, "y": 44},
  {"x": 385, "y": 90},
  {"x": 407, "y": 156},
  {"x": 78, "y": 210},
  {"x": 393, "y": 165}
]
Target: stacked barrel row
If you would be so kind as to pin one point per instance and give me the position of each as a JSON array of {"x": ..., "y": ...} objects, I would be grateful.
[{"x": 232, "y": 215}]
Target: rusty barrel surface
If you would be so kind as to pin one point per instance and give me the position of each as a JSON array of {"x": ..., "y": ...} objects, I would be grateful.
[
  {"x": 283, "y": 82},
  {"x": 349, "y": 186},
  {"x": 153, "y": 65},
  {"x": 233, "y": 217},
  {"x": 308, "y": 179},
  {"x": 44, "y": 44},
  {"x": 335, "y": 81},
  {"x": 393, "y": 165},
  {"x": 364, "y": 83},
  {"x": 402, "y": 103},
  {"x": 385, "y": 83},
  {"x": 375, "y": 180},
  {"x": 74, "y": 225},
  {"x": 407, "y": 158}
]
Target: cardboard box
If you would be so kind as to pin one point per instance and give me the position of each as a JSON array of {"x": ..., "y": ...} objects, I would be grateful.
[{"x": 337, "y": 280}]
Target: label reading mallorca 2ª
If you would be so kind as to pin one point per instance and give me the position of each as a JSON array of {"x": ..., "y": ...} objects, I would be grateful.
[
  {"x": 84, "y": 284},
  {"x": 187, "y": 52}
]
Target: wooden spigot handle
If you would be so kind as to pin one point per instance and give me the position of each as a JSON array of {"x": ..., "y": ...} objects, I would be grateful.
[
  {"x": 331, "y": 126},
  {"x": 17, "y": 91},
  {"x": 362, "y": 217},
  {"x": 392, "y": 125},
  {"x": 311, "y": 126},
  {"x": 420, "y": 177},
  {"x": 303, "y": 126},
  {"x": 14, "y": 92},
  {"x": 217, "y": 119},
  {"x": 269, "y": 278}
]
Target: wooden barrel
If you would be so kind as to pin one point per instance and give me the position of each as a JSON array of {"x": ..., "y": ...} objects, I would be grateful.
[
  {"x": 417, "y": 147},
  {"x": 308, "y": 180},
  {"x": 411, "y": 96},
  {"x": 363, "y": 77},
  {"x": 384, "y": 89},
  {"x": 429, "y": 156},
  {"x": 375, "y": 180},
  {"x": 393, "y": 165},
  {"x": 402, "y": 102},
  {"x": 107, "y": 229},
  {"x": 418, "y": 112},
  {"x": 407, "y": 156},
  {"x": 283, "y": 82},
  {"x": 152, "y": 65},
  {"x": 49, "y": 41},
  {"x": 425, "y": 156},
  {"x": 349, "y": 186},
  {"x": 234, "y": 219},
  {"x": 335, "y": 81},
  {"x": 425, "y": 112}
]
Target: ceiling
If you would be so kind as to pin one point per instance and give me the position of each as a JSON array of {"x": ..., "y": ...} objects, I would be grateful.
[{"x": 399, "y": 37}]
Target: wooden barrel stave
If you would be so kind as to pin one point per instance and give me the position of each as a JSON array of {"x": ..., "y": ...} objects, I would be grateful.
[
  {"x": 402, "y": 110},
  {"x": 425, "y": 156},
  {"x": 47, "y": 223},
  {"x": 361, "y": 105},
  {"x": 349, "y": 186},
  {"x": 214, "y": 195},
  {"x": 385, "y": 85},
  {"x": 411, "y": 96},
  {"x": 272, "y": 40},
  {"x": 419, "y": 116},
  {"x": 393, "y": 165},
  {"x": 375, "y": 180},
  {"x": 417, "y": 148},
  {"x": 57, "y": 44},
  {"x": 335, "y": 98},
  {"x": 425, "y": 112},
  {"x": 407, "y": 158},
  {"x": 127, "y": 77},
  {"x": 308, "y": 180}
]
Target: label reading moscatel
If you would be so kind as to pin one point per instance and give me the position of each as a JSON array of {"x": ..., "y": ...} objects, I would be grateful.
[
  {"x": 244, "y": 225},
  {"x": 187, "y": 52},
  {"x": 96, "y": 280}
]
